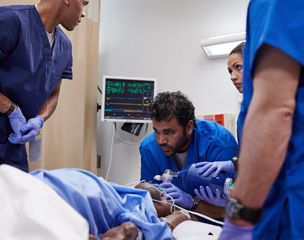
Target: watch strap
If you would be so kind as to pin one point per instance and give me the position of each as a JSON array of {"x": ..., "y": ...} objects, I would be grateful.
[
  {"x": 196, "y": 202},
  {"x": 234, "y": 161},
  {"x": 10, "y": 110},
  {"x": 252, "y": 215},
  {"x": 235, "y": 210}
]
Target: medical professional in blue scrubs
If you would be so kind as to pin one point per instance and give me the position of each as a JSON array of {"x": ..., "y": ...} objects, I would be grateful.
[
  {"x": 35, "y": 55},
  {"x": 267, "y": 202},
  {"x": 178, "y": 141}
]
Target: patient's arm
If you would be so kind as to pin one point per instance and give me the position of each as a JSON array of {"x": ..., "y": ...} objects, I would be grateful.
[
  {"x": 175, "y": 218},
  {"x": 163, "y": 209},
  {"x": 126, "y": 231},
  {"x": 210, "y": 210}
]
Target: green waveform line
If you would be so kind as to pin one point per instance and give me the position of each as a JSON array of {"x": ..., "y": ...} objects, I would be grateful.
[
  {"x": 121, "y": 87},
  {"x": 136, "y": 91}
]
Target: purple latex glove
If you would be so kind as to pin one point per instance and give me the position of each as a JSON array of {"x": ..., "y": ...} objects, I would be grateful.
[
  {"x": 30, "y": 130},
  {"x": 17, "y": 120},
  {"x": 208, "y": 196},
  {"x": 206, "y": 168},
  {"x": 234, "y": 232},
  {"x": 181, "y": 198}
]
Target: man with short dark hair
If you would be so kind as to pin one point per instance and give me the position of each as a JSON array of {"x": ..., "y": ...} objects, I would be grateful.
[
  {"x": 178, "y": 141},
  {"x": 35, "y": 55}
]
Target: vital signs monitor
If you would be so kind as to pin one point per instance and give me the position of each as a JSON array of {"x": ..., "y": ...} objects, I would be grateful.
[{"x": 126, "y": 99}]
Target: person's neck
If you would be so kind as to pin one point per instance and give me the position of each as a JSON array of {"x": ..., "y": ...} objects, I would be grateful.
[
  {"x": 47, "y": 17},
  {"x": 185, "y": 147}
]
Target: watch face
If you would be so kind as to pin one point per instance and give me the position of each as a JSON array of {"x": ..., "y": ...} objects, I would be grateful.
[{"x": 230, "y": 208}]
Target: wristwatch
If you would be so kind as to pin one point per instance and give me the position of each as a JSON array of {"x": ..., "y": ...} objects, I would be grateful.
[
  {"x": 10, "y": 110},
  {"x": 235, "y": 210},
  {"x": 196, "y": 202},
  {"x": 234, "y": 161}
]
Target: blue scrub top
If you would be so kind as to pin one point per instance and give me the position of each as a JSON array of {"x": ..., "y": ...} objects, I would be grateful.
[
  {"x": 209, "y": 142},
  {"x": 280, "y": 24},
  {"x": 29, "y": 69},
  {"x": 105, "y": 205}
]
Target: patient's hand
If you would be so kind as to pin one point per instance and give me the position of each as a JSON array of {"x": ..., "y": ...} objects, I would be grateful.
[
  {"x": 176, "y": 218},
  {"x": 162, "y": 208},
  {"x": 126, "y": 231}
]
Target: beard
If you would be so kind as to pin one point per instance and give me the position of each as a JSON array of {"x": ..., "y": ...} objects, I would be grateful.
[{"x": 169, "y": 150}]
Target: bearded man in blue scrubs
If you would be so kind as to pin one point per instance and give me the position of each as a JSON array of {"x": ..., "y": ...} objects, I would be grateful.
[
  {"x": 178, "y": 141},
  {"x": 35, "y": 55}
]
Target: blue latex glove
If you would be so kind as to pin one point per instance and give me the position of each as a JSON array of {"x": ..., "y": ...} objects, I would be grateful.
[
  {"x": 208, "y": 196},
  {"x": 181, "y": 198},
  {"x": 206, "y": 168},
  {"x": 17, "y": 120},
  {"x": 234, "y": 232},
  {"x": 30, "y": 130}
]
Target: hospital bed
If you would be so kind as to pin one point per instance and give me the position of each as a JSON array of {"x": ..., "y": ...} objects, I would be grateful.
[{"x": 29, "y": 210}]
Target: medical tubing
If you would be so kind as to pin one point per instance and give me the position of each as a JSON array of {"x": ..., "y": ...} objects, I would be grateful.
[
  {"x": 194, "y": 213},
  {"x": 111, "y": 154},
  {"x": 173, "y": 205},
  {"x": 131, "y": 143}
]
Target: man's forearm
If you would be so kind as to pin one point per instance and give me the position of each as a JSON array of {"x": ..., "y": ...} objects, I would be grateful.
[
  {"x": 268, "y": 126},
  {"x": 50, "y": 104},
  {"x": 5, "y": 103}
]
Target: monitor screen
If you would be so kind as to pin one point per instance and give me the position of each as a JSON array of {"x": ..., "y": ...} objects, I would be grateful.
[{"x": 127, "y": 99}]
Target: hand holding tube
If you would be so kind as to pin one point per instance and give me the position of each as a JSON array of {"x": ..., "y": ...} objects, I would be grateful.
[
  {"x": 206, "y": 168},
  {"x": 30, "y": 130},
  {"x": 17, "y": 120},
  {"x": 234, "y": 232},
  {"x": 180, "y": 197},
  {"x": 208, "y": 196}
]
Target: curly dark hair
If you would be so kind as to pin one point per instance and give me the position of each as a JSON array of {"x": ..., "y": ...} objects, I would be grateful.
[
  {"x": 238, "y": 49},
  {"x": 168, "y": 104}
]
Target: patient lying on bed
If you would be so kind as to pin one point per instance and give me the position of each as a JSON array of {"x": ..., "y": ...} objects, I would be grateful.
[
  {"x": 104, "y": 210},
  {"x": 163, "y": 209},
  {"x": 111, "y": 209}
]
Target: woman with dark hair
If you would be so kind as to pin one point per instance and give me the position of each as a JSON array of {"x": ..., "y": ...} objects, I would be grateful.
[{"x": 235, "y": 66}]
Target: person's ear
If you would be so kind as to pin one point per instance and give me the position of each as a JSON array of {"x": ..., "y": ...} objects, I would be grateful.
[{"x": 189, "y": 127}]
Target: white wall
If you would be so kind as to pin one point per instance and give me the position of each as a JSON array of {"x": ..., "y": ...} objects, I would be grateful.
[{"x": 161, "y": 39}]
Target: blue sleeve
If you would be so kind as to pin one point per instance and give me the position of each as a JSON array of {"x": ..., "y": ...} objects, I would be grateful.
[
  {"x": 214, "y": 142},
  {"x": 224, "y": 149},
  {"x": 68, "y": 73},
  {"x": 147, "y": 172},
  {"x": 64, "y": 46}
]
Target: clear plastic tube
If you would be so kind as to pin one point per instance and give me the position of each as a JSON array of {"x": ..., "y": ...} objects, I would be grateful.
[{"x": 167, "y": 176}]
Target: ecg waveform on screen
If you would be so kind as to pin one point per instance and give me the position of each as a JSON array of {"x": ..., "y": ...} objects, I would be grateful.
[
  {"x": 122, "y": 87},
  {"x": 128, "y": 99}
]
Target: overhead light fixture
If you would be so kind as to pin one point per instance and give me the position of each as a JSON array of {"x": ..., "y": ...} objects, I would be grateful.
[{"x": 217, "y": 47}]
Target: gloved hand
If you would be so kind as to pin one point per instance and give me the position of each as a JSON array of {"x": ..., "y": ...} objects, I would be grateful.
[
  {"x": 234, "y": 232},
  {"x": 217, "y": 200},
  {"x": 17, "y": 120},
  {"x": 30, "y": 130},
  {"x": 206, "y": 168},
  {"x": 181, "y": 198}
]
